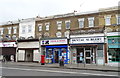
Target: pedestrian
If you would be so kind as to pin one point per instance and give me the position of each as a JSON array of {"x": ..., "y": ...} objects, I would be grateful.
[{"x": 4, "y": 59}]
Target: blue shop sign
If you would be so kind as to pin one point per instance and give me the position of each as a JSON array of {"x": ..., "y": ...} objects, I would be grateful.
[{"x": 114, "y": 42}]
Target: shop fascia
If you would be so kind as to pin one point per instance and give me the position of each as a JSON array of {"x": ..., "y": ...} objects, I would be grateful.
[
  {"x": 87, "y": 40},
  {"x": 8, "y": 44},
  {"x": 54, "y": 42}
]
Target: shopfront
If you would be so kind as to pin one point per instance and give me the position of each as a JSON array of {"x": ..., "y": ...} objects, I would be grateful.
[
  {"x": 28, "y": 50},
  {"x": 55, "y": 49},
  {"x": 88, "y": 50},
  {"x": 8, "y": 50},
  {"x": 113, "y": 49}
]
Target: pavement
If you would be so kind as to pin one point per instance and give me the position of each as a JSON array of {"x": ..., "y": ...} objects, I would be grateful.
[{"x": 93, "y": 67}]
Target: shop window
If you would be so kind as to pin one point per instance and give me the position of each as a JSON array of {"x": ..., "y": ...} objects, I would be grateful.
[
  {"x": 114, "y": 55},
  {"x": 49, "y": 56}
]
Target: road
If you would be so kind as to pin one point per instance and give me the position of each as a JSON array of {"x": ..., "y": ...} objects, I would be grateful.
[{"x": 16, "y": 70}]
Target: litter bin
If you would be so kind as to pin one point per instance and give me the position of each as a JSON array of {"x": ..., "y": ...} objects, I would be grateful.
[
  {"x": 42, "y": 59},
  {"x": 61, "y": 63}
]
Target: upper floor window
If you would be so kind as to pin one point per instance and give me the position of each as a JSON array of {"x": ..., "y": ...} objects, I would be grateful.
[
  {"x": 23, "y": 29},
  {"x": 9, "y": 30},
  {"x": 81, "y": 22},
  {"x": 40, "y": 27},
  {"x": 67, "y": 34},
  {"x": 1, "y": 31},
  {"x": 59, "y": 34},
  {"x": 91, "y": 21},
  {"x": 14, "y": 30},
  {"x": 118, "y": 19},
  {"x": 67, "y": 24},
  {"x": 47, "y": 26},
  {"x": 59, "y": 25},
  {"x": 29, "y": 28},
  {"x": 107, "y": 20}
]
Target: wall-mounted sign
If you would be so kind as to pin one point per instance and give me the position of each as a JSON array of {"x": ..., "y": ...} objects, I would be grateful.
[
  {"x": 87, "y": 40},
  {"x": 8, "y": 44},
  {"x": 53, "y": 41}
]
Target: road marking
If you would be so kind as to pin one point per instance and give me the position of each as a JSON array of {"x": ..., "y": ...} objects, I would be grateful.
[{"x": 58, "y": 71}]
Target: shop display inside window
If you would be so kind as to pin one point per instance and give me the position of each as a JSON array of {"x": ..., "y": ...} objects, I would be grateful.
[
  {"x": 49, "y": 56},
  {"x": 114, "y": 55}
]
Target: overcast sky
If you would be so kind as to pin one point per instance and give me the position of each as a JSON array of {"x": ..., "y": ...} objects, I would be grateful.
[{"x": 11, "y": 10}]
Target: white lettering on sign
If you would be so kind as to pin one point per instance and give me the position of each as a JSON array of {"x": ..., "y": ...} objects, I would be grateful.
[
  {"x": 87, "y": 40},
  {"x": 8, "y": 44},
  {"x": 54, "y": 42}
]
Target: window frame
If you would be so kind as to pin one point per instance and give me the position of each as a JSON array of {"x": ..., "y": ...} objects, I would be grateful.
[
  {"x": 107, "y": 20},
  {"x": 14, "y": 30},
  {"x": 91, "y": 22},
  {"x": 47, "y": 26},
  {"x": 59, "y": 25},
  {"x": 23, "y": 29},
  {"x": 81, "y": 22},
  {"x": 9, "y": 30},
  {"x": 39, "y": 27},
  {"x": 66, "y": 25},
  {"x": 29, "y": 28}
]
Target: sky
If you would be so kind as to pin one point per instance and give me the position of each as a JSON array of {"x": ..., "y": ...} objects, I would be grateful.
[{"x": 11, "y": 10}]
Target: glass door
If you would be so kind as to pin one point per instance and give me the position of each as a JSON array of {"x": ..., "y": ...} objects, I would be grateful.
[{"x": 88, "y": 56}]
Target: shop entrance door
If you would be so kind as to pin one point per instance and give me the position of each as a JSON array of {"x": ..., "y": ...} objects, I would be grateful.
[
  {"x": 88, "y": 56},
  {"x": 56, "y": 55},
  {"x": 80, "y": 55},
  {"x": 29, "y": 55}
]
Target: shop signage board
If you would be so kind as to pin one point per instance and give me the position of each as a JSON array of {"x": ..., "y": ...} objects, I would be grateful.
[
  {"x": 54, "y": 42},
  {"x": 8, "y": 44},
  {"x": 87, "y": 40}
]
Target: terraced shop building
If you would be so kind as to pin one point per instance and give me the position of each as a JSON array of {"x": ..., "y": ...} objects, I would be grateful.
[
  {"x": 8, "y": 34},
  {"x": 110, "y": 18}
]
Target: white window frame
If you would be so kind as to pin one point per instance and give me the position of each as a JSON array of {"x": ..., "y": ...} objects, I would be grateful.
[
  {"x": 23, "y": 29},
  {"x": 68, "y": 21},
  {"x": 39, "y": 27},
  {"x": 58, "y": 34},
  {"x": 81, "y": 22},
  {"x": 1, "y": 31},
  {"x": 91, "y": 22},
  {"x": 59, "y": 25},
  {"x": 47, "y": 26},
  {"x": 14, "y": 30},
  {"x": 107, "y": 19},
  {"x": 29, "y": 28},
  {"x": 118, "y": 19},
  {"x": 9, "y": 30}
]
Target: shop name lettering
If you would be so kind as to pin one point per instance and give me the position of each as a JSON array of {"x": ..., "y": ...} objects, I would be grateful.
[
  {"x": 53, "y": 41},
  {"x": 57, "y": 41},
  {"x": 87, "y": 39}
]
